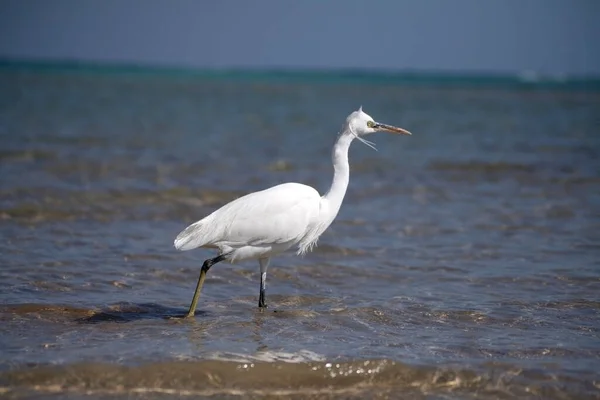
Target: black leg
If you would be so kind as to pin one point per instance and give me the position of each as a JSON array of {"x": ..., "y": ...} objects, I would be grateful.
[
  {"x": 264, "y": 264},
  {"x": 205, "y": 267},
  {"x": 261, "y": 296}
]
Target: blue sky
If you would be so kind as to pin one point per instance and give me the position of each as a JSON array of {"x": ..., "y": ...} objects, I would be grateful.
[{"x": 549, "y": 36}]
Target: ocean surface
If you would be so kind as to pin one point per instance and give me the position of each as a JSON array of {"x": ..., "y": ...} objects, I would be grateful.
[{"x": 464, "y": 263}]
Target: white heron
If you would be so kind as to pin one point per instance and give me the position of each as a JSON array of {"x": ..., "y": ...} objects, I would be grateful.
[{"x": 263, "y": 224}]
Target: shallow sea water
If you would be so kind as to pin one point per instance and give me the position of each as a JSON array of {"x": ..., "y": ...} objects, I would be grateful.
[{"x": 464, "y": 263}]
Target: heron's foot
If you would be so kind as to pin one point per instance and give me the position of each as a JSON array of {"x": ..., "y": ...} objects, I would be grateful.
[
  {"x": 180, "y": 317},
  {"x": 262, "y": 307}
]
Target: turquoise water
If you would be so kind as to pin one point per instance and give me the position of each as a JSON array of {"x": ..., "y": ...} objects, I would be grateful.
[
  {"x": 523, "y": 80},
  {"x": 464, "y": 262}
]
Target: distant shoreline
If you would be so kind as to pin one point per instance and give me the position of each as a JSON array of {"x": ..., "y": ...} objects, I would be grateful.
[{"x": 525, "y": 80}]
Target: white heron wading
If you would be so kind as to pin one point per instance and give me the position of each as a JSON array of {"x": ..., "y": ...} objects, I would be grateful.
[{"x": 262, "y": 224}]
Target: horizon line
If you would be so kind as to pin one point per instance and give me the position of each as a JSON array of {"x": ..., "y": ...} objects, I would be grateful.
[{"x": 408, "y": 75}]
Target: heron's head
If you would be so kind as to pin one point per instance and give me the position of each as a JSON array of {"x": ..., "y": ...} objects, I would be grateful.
[{"x": 359, "y": 123}]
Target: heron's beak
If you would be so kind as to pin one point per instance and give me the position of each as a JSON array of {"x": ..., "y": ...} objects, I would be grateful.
[{"x": 390, "y": 128}]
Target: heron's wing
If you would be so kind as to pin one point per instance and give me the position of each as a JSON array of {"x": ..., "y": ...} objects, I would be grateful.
[{"x": 280, "y": 214}]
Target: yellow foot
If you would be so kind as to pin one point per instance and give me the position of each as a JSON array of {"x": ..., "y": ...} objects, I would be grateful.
[{"x": 180, "y": 317}]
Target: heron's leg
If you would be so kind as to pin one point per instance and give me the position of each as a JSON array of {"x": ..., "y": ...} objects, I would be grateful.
[
  {"x": 205, "y": 267},
  {"x": 264, "y": 264}
]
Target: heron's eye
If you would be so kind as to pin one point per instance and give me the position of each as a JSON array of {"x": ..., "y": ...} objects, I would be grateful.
[{"x": 370, "y": 124}]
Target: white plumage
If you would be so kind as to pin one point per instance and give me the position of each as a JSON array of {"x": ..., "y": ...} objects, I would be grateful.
[
  {"x": 259, "y": 224},
  {"x": 262, "y": 224}
]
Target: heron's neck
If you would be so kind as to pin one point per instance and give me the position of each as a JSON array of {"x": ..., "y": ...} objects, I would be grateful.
[{"x": 341, "y": 173}]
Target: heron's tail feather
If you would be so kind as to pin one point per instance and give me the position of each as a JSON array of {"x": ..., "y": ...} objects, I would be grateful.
[{"x": 191, "y": 237}]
